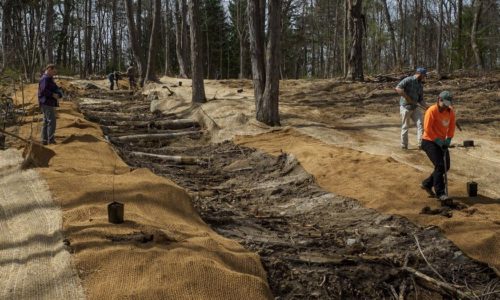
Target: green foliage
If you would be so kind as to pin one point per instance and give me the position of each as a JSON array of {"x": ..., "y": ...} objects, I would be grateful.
[{"x": 215, "y": 30}]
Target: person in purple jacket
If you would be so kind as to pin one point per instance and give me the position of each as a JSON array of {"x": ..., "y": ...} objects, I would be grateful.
[{"x": 48, "y": 95}]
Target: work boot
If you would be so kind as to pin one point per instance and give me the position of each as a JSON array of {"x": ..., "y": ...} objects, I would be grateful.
[
  {"x": 404, "y": 147},
  {"x": 443, "y": 197},
  {"x": 445, "y": 200},
  {"x": 429, "y": 190}
]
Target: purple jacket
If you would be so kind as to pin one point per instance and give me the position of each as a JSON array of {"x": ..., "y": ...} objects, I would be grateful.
[{"x": 46, "y": 87}]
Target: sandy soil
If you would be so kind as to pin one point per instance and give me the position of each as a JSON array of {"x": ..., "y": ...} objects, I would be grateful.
[{"x": 356, "y": 147}]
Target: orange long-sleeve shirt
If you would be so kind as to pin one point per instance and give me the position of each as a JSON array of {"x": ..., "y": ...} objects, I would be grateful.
[{"x": 438, "y": 124}]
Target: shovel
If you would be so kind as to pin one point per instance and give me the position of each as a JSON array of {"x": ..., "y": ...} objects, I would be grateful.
[
  {"x": 449, "y": 201},
  {"x": 34, "y": 154}
]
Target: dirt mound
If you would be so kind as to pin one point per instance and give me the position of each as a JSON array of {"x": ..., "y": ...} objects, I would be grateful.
[
  {"x": 81, "y": 124},
  {"x": 37, "y": 156},
  {"x": 86, "y": 138}
]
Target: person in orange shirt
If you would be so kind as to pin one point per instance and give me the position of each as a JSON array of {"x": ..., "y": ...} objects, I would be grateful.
[{"x": 439, "y": 128}]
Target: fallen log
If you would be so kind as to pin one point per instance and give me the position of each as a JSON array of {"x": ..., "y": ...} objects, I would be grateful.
[
  {"x": 155, "y": 136},
  {"x": 178, "y": 159},
  {"x": 114, "y": 115},
  {"x": 437, "y": 284},
  {"x": 117, "y": 131},
  {"x": 165, "y": 124}
]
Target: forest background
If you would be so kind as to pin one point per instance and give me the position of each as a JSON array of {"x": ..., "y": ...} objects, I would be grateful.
[{"x": 317, "y": 37}]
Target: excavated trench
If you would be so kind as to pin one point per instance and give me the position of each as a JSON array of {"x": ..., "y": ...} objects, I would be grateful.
[{"x": 313, "y": 244}]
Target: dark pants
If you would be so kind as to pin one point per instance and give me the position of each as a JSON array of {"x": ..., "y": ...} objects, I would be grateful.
[
  {"x": 435, "y": 154},
  {"x": 111, "y": 84},
  {"x": 49, "y": 124},
  {"x": 131, "y": 80}
]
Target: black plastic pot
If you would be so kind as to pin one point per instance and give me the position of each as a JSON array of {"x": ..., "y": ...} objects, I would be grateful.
[
  {"x": 472, "y": 188},
  {"x": 115, "y": 212},
  {"x": 468, "y": 143}
]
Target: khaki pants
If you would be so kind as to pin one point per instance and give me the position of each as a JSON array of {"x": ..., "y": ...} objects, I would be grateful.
[{"x": 416, "y": 116}]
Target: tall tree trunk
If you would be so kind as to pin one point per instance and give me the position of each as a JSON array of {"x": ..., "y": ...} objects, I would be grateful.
[
  {"x": 63, "y": 39},
  {"x": 265, "y": 75},
  {"x": 270, "y": 103},
  {"x": 134, "y": 40},
  {"x": 459, "y": 33},
  {"x": 345, "y": 39},
  {"x": 49, "y": 32},
  {"x": 355, "y": 69},
  {"x": 153, "y": 42},
  {"x": 114, "y": 46},
  {"x": 473, "y": 36},
  {"x": 440, "y": 40},
  {"x": 88, "y": 38},
  {"x": 167, "y": 38},
  {"x": 256, "y": 50},
  {"x": 418, "y": 9},
  {"x": 401, "y": 39},
  {"x": 198, "y": 87},
  {"x": 241, "y": 30},
  {"x": 181, "y": 37},
  {"x": 6, "y": 33},
  {"x": 393, "y": 35},
  {"x": 138, "y": 24}
]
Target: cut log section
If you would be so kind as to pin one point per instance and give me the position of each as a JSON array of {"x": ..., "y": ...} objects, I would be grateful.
[
  {"x": 177, "y": 159},
  {"x": 117, "y": 115},
  {"x": 155, "y": 136},
  {"x": 165, "y": 124}
]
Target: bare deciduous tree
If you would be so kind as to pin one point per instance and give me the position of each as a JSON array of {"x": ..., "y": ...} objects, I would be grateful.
[
  {"x": 153, "y": 42},
  {"x": 198, "y": 87},
  {"x": 265, "y": 67},
  {"x": 355, "y": 66}
]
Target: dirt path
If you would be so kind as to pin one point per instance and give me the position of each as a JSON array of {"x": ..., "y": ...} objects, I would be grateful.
[{"x": 34, "y": 263}]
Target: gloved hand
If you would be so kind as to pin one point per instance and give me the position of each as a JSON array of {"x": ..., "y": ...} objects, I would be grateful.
[
  {"x": 439, "y": 142},
  {"x": 447, "y": 142}
]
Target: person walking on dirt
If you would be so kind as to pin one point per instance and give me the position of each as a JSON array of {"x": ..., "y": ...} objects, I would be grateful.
[
  {"x": 439, "y": 128},
  {"x": 411, "y": 90},
  {"x": 117, "y": 77},
  {"x": 131, "y": 77},
  {"x": 48, "y": 95},
  {"x": 111, "y": 78}
]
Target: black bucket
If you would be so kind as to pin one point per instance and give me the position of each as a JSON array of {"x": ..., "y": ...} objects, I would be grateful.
[
  {"x": 180, "y": 83},
  {"x": 2, "y": 141},
  {"x": 468, "y": 143},
  {"x": 115, "y": 212},
  {"x": 472, "y": 188}
]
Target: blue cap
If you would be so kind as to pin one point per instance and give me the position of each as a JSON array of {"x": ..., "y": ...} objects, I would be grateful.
[{"x": 422, "y": 71}]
